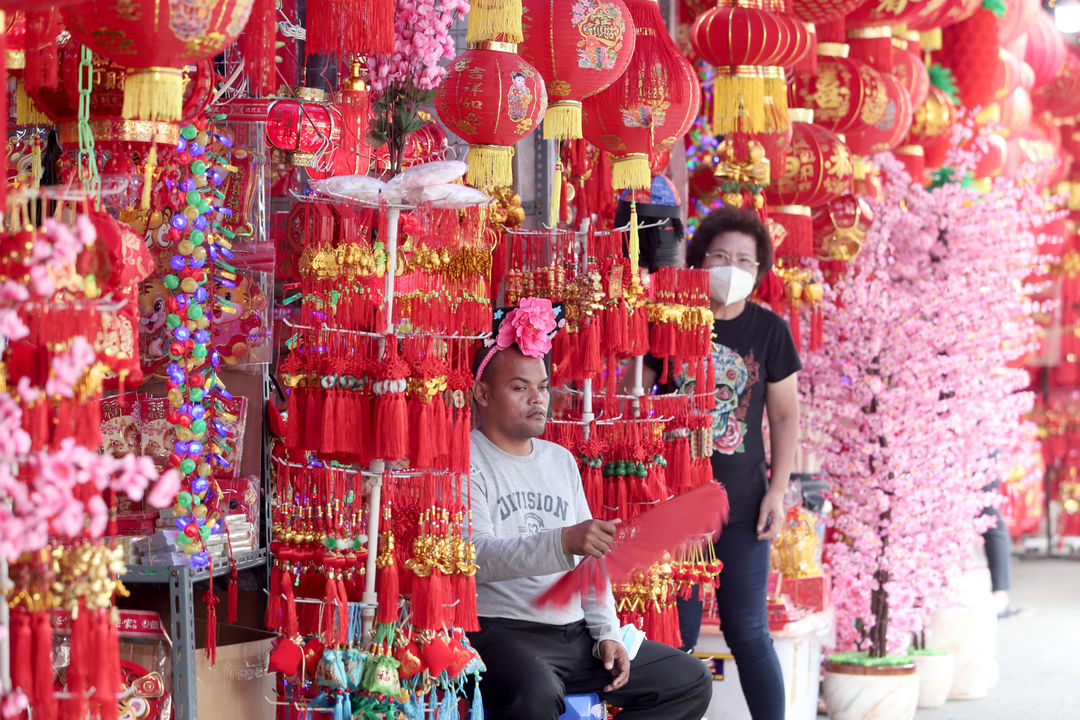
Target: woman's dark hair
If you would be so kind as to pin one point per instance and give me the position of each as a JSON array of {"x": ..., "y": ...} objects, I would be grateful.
[{"x": 731, "y": 219}]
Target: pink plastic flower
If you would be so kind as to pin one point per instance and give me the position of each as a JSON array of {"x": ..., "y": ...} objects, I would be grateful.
[
  {"x": 165, "y": 489},
  {"x": 12, "y": 326},
  {"x": 43, "y": 284},
  {"x": 12, "y": 291},
  {"x": 530, "y": 326},
  {"x": 13, "y": 705}
]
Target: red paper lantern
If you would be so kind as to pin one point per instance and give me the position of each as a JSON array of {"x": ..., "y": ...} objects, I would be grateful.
[
  {"x": 875, "y": 14},
  {"x": 819, "y": 167},
  {"x": 913, "y": 158},
  {"x": 61, "y": 104},
  {"x": 749, "y": 47},
  {"x": 1061, "y": 96},
  {"x": 1045, "y": 48},
  {"x": 1008, "y": 76},
  {"x": 840, "y": 227},
  {"x": 155, "y": 39},
  {"x": 491, "y": 98},
  {"x": 819, "y": 11},
  {"x": 1018, "y": 17},
  {"x": 910, "y": 70},
  {"x": 302, "y": 133},
  {"x": 933, "y": 15},
  {"x": 933, "y": 120},
  {"x": 844, "y": 94},
  {"x": 888, "y": 132},
  {"x": 580, "y": 47},
  {"x": 633, "y": 132}
]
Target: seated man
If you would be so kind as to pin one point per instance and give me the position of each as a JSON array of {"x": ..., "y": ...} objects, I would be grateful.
[{"x": 530, "y": 521}]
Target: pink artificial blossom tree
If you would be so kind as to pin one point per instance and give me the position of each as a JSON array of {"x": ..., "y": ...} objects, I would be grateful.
[
  {"x": 912, "y": 396},
  {"x": 407, "y": 78}
]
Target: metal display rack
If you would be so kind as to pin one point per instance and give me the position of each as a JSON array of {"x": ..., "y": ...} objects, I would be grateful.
[{"x": 181, "y": 579}]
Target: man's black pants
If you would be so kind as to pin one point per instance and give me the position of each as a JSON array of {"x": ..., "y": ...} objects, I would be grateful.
[{"x": 531, "y": 667}]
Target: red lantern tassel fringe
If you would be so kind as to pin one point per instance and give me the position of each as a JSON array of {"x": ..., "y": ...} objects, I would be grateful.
[
  {"x": 211, "y": 622},
  {"x": 259, "y": 44}
]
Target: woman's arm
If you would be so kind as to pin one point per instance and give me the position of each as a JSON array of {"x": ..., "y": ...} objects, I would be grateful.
[{"x": 782, "y": 405}]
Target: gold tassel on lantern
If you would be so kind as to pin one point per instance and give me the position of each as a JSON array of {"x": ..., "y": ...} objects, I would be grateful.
[
  {"x": 776, "y": 100},
  {"x": 562, "y": 121},
  {"x": 739, "y": 100},
  {"x": 148, "y": 178},
  {"x": 494, "y": 20},
  {"x": 490, "y": 166},
  {"x": 154, "y": 94},
  {"x": 556, "y": 195},
  {"x": 631, "y": 171},
  {"x": 26, "y": 110},
  {"x": 635, "y": 241}
]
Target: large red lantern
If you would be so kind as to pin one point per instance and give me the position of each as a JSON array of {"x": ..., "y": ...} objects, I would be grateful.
[
  {"x": 888, "y": 132},
  {"x": 1018, "y": 17},
  {"x": 632, "y": 134},
  {"x": 840, "y": 227},
  {"x": 579, "y": 47},
  {"x": 1045, "y": 48},
  {"x": 931, "y": 127},
  {"x": 910, "y": 70},
  {"x": 301, "y": 133},
  {"x": 880, "y": 14},
  {"x": 155, "y": 39},
  {"x": 932, "y": 15},
  {"x": 61, "y": 104},
  {"x": 1061, "y": 97},
  {"x": 491, "y": 97},
  {"x": 749, "y": 47},
  {"x": 819, "y": 11},
  {"x": 818, "y": 168},
  {"x": 844, "y": 94}
]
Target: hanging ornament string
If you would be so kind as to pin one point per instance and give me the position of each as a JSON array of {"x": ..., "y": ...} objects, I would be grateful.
[{"x": 87, "y": 157}]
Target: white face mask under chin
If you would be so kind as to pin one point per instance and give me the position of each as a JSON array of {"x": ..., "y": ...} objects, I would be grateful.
[{"x": 729, "y": 284}]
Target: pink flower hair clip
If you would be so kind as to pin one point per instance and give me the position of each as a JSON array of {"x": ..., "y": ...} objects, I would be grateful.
[{"x": 531, "y": 326}]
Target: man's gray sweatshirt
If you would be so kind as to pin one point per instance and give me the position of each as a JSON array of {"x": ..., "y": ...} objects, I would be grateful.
[{"x": 519, "y": 506}]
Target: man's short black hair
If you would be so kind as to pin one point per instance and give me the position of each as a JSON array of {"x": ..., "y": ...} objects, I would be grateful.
[{"x": 731, "y": 219}]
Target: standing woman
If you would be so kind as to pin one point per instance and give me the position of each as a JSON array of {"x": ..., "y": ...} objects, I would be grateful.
[{"x": 756, "y": 366}]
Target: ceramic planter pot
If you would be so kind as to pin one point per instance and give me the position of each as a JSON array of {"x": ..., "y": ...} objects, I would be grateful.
[
  {"x": 859, "y": 692},
  {"x": 935, "y": 678},
  {"x": 969, "y": 632}
]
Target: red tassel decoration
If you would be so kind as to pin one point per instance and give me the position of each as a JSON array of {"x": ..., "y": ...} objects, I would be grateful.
[
  {"x": 81, "y": 658},
  {"x": 22, "y": 643},
  {"x": 230, "y": 616},
  {"x": 391, "y": 430},
  {"x": 328, "y": 624},
  {"x": 42, "y": 58},
  {"x": 465, "y": 611},
  {"x": 343, "y": 27},
  {"x": 211, "y": 623},
  {"x": 796, "y": 327},
  {"x": 387, "y": 582},
  {"x": 817, "y": 330},
  {"x": 274, "y": 611},
  {"x": 109, "y": 688},
  {"x": 259, "y": 45},
  {"x": 43, "y": 693}
]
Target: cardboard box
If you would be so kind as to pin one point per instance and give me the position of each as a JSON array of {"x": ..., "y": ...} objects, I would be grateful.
[{"x": 238, "y": 685}]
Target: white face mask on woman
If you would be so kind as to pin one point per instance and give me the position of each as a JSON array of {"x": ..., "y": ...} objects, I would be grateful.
[{"x": 729, "y": 284}]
